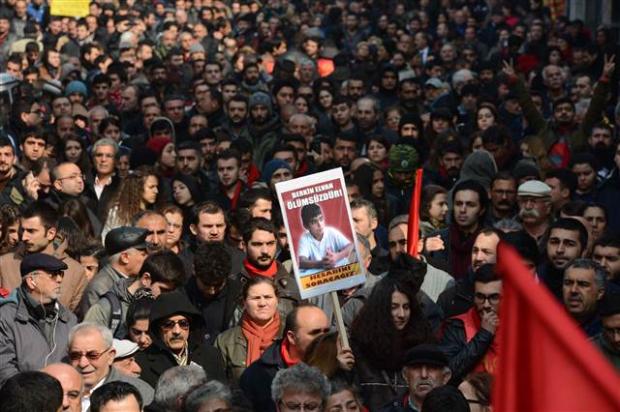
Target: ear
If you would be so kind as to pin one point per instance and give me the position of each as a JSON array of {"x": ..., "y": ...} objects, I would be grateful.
[
  {"x": 123, "y": 258},
  {"x": 404, "y": 373},
  {"x": 30, "y": 282},
  {"x": 146, "y": 280},
  {"x": 600, "y": 294},
  {"x": 290, "y": 337},
  {"x": 58, "y": 185},
  {"x": 565, "y": 193},
  {"x": 111, "y": 356},
  {"x": 374, "y": 222},
  {"x": 447, "y": 376},
  {"x": 193, "y": 229},
  {"x": 51, "y": 233},
  {"x": 24, "y": 117}
]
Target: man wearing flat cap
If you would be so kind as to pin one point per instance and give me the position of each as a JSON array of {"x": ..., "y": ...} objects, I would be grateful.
[
  {"x": 534, "y": 200},
  {"x": 34, "y": 326},
  {"x": 426, "y": 368},
  {"x": 126, "y": 247}
]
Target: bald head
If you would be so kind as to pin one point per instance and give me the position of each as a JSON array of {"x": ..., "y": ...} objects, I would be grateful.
[
  {"x": 72, "y": 385},
  {"x": 68, "y": 179}
]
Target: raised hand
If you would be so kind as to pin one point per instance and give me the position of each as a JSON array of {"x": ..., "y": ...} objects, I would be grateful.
[
  {"x": 609, "y": 65},
  {"x": 509, "y": 69}
]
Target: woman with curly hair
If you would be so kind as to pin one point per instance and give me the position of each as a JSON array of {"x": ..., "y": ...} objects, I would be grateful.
[
  {"x": 390, "y": 323},
  {"x": 138, "y": 192}
]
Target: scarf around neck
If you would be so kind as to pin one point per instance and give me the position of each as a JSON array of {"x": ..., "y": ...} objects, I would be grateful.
[
  {"x": 252, "y": 270},
  {"x": 259, "y": 337}
]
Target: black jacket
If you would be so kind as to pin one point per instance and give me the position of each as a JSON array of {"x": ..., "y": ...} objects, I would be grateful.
[
  {"x": 217, "y": 313},
  {"x": 104, "y": 203},
  {"x": 256, "y": 381},
  {"x": 157, "y": 358}
]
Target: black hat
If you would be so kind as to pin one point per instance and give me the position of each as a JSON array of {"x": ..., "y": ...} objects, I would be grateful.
[
  {"x": 610, "y": 304},
  {"x": 125, "y": 237},
  {"x": 41, "y": 261},
  {"x": 426, "y": 354}
]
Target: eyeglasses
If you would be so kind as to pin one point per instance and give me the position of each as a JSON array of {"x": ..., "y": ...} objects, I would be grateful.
[
  {"x": 170, "y": 324},
  {"x": 493, "y": 298},
  {"x": 51, "y": 275},
  {"x": 90, "y": 355},
  {"x": 72, "y": 177},
  {"x": 611, "y": 331},
  {"x": 295, "y": 406}
]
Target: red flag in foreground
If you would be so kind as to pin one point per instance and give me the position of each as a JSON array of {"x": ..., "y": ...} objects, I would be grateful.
[
  {"x": 413, "y": 226},
  {"x": 545, "y": 362}
]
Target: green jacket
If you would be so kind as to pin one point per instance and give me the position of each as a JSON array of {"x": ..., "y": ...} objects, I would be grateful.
[
  {"x": 547, "y": 130},
  {"x": 233, "y": 346}
]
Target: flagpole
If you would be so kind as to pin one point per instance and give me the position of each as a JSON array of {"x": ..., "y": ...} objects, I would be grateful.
[{"x": 413, "y": 233}]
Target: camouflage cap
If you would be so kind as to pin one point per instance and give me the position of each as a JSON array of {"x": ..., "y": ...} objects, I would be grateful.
[{"x": 403, "y": 158}]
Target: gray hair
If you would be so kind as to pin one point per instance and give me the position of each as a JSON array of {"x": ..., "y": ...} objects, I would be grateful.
[
  {"x": 370, "y": 207},
  {"x": 376, "y": 106},
  {"x": 600, "y": 273},
  {"x": 461, "y": 77},
  {"x": 175, "y": 383},
  {"x": 301, "y": 378},
  {"x": 105, "y": 142},
  {"x": 199, "y": 395},
  {"x": 106, "y": 334},
  {"x": 397, "y": 221}
]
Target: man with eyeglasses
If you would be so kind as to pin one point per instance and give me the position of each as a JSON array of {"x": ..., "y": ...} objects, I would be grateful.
[
  {"x": 34, "y": 326},
  {"x": 177, "y": 329},
  {"x": 469, "y": 338},
  {"x": 67, "y": 184},
  {"x": 300, "y": 388},
  {"x": 608, "y": 341},
  {"x": 91, "y": 353}
]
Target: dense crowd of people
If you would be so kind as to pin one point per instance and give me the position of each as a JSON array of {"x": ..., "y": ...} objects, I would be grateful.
[{"x": 144, "y": 258}]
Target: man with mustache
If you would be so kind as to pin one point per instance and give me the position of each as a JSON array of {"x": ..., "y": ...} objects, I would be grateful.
[
  {"x": 503, "y": 198},
  {"x": 261, "y": 246},
  {"x": 534, "y": 200},
  {"x": 426, "y": 368},
  {"x": 7, "y": 160},
  {"x": 582, "y": 290},
  {"x": 178, "y": 340},
  {"x": 600, "y": 144},
  {"x": 469, "y": 339},
  {"x": 34, "y": 326}
]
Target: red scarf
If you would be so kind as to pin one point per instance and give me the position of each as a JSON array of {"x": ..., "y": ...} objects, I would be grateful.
[
  {"x": 288, "y": 358},
  {"x": 235, "y": 198},
  {"x": 259, "y": 337},
  {"x": 252, "y": 270},
  {"x": 471, "y": 324}
]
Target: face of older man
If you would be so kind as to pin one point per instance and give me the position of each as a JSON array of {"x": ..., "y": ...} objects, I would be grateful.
[
  {"x": 424, "y": 378},
  {"x": 71, "y": 382},
  {"x": 91, "y": 356}
]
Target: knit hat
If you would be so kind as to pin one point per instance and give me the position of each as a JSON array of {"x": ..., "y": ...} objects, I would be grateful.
[
  {"x": 270, "y": 168},
  {"x": 157, "y": 144},
  {"x": 261, "y": 98},
  {"x": 76, "y": 86},
  {"x": 403, "y": 158}
]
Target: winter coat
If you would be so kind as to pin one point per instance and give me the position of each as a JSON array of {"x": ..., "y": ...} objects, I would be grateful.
[
  {"x": 98, "y": 286},
  {"x": 464, "y": 355},
  {"x": 101, "y": 312},
  {"x": 233, "y": 346},
  {"x": 157, "y": 358},
  {"x": 256, "y": 381},
  {"x": 378, "y": 387},
  {"x": 217, "y": 313},
  {"x": 73, "y": 283},
  {"x": 23, "y": 345}
]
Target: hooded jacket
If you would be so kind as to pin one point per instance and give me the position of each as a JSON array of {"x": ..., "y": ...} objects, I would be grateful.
[{"x": 158, "y": 358}]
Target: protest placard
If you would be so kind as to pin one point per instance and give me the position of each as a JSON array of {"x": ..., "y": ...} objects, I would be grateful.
[
  {"x": 322, "y": 240},
  {"x": 69, "y": 8}
]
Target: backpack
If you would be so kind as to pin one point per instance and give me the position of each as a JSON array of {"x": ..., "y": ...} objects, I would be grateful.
[{"x": 116, "y": 317}]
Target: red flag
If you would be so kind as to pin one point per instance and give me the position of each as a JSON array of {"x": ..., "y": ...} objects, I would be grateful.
[
  {"x": 413, "y": 225},
  {"x": 545, "y": 361}
]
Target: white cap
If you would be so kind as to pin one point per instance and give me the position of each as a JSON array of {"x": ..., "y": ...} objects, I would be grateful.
[
  {"x": 124, "y": 348},
  {"x": 534, "y": 188}
]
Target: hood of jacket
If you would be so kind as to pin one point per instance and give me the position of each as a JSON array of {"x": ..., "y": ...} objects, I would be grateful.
[
  {"x": 479, "y": 166},
  {"x": 166, "y": 120}
]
